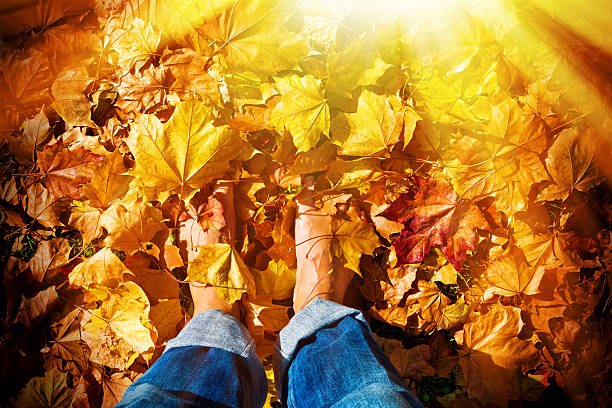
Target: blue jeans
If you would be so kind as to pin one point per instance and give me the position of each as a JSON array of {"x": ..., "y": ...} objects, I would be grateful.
[{"x": 325, "y": 357}]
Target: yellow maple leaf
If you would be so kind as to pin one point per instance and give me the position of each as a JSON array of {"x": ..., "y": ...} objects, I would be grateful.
[
  {"x": 220, "y": 266},
  {"x": 123, "y": 316},
  {"x": 104, "y": 268},
  {"x": 186, "y": 152},
  {"x": 350, "y": 240}
]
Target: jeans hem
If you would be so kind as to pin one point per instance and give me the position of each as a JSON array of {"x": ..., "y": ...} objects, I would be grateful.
[
  {"x": 319, "y": 313},
  {"x": 213, "y": 328}
]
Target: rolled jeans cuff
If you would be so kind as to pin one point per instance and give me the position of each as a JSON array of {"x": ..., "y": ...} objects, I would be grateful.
[
  {"x": 213, "y": 328},
  {"x": 319, "y": 313}
]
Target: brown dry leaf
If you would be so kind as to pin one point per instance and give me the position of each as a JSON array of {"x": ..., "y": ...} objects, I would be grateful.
[
  {"x": 86, "y": 219},
  {"x": 87, "y": 393},
  {"x": 26, "y": 81},
  {"x": 108, "y": 182},
  {"x": 32, "y": 310},
  {"x": 443, "y": 355},
  {"x": 317, "y": 159},
  {"x": 114, "y": 386},
  {"x": 190, "y": 79},
  {"x": 70, "y": 101},
  {"x": 395, "y": 315},
  {"x": 283, "y": 235},
  {"x": 510, "y": 275},
  {"x": 104, "y": 268},
  {"x": 157, "y": 284},
  {"x": 66, "y": 349},
  {"x": 131, "y": 223},
  {"x": 570, "y": 163},
  {"x": 166, "y": 317},
  {"x": 66, "y": 170},
  {"x": 430, "y": 302},
  {"x": 454, "y": 315},
  {"x": 50, "y": 255},
  {"x": 390, "y": 285},
  {"x": 264, "y": 321},
  {"x": 144, "y": 91},
  {"x": 492, "y": 355},
  {"x": 51, "y": 390},
  {"x": 41, "y": 205},
  {"x": 409, "y": 363},
  {"x": 35, "y": 131},
  {"x": 8, "y": 191},
  {"x": 384, "y": 226}
]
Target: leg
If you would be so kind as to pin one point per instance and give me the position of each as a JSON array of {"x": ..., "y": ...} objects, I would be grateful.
[
  {"x": 326, "y": 355},
  {"x": 212, "y": 362}
]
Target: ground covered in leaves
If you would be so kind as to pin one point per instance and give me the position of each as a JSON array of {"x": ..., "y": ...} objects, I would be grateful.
[{"x": 463, "y": 154}]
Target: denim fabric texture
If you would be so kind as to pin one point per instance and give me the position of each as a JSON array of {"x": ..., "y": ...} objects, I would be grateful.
[
  {"x": 211, "y": 363},
  {"x": 325, "y": 357}
]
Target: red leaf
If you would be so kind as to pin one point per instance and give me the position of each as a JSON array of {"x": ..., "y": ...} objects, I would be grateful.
[{"x": 433, "y": 215}]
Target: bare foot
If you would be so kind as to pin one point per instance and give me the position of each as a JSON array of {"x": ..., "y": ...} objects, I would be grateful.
[
  {"x": 205, "y": 296},
  {"x": 318, "y": 275}
]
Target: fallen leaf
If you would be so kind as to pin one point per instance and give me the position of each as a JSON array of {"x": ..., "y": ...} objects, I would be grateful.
[
  {"x": 220, "y": 266},
  {"x": 303, "y": 110},
  {"x": 277, "y": 281},
  {"x": 104, "y": 268},
  {"x": 117, "y": 329},
  {"x": 350, "y": 240},
  {"x": 32, "y": 310},
  {"x": 492, "y": 354},
  {"x": 454, "y": 315},
  {"x": 570, "y": 163},
  {"x": 108, "y": 182},
  {"x": 186, "y": 152},
  {"x": 131, "y": 223},
  {"x": 69, "y": 98},
  {"x": 50, "y": 255},
  {"x": 66, "y": 348},
  {"x": 373, "y": 128},
  {"x": 409, "y": 363},
  {"x": 253, "y": 36},
  {"x": 185, "y": 66},
  {"x": 86, "y": 219},
  {"x": 432, "y": 215},
  {"x": 510, "y": 275},
  {"x": 51, "y": 390},
  {"x": 431, "y": 303},
  {"x": 156, "y": 283},
  {"x": 66, "y": 170},
  {"x": 114, "y": 386},
  {"x": 166, "y": 317}
]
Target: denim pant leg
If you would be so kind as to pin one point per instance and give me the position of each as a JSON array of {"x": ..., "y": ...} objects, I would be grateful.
[
  {"x": 326, "y": 357},
  {"x": 211, "y": 363}
]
